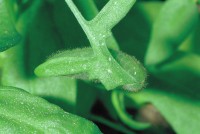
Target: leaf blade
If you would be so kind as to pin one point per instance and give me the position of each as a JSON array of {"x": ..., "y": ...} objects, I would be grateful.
[
  {"x": 38, "y": 115},
  {"x": 174, "y": 107},
  {"x": 8, "y": 34}
]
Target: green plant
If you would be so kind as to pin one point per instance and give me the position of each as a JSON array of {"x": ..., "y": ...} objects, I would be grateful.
[
  {"x": 109, "y": 73},
  {"x": 25, "y": 113},
  {"x": 8, "y": 34},
  {"x": 98, "y": 63}
]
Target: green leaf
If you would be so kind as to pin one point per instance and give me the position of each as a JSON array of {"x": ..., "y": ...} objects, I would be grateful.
[
  {"x": 22, "y": 112},
  {"x": 136, "y": 41},
  {"x": 178, "y": 21},
  {"x": 180, "y": 111},
  {"x": 170, "y": 54},
  {"x": 27, "y": 11},
  {"x": 67, "y": 63},
  {"x": 98, "y": 30},
  {"x": 84, "y": 103},
  {"x": 8, "y": 34},
  {"x": 82, "y": 63},
  {"x": 18, "y": 63},
  {"x": 111, "y": 14}
]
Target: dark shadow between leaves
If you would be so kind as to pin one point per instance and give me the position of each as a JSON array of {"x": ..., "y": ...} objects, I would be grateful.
[{"x": 60, "y": 102}]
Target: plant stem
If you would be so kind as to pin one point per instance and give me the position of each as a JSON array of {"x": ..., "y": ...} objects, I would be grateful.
[
  {"x": 118, "y": 100},
  {"x": 110, "y": 124},
  {"x": 90, "y": 10},
  {"x": 106, "y": 68}
]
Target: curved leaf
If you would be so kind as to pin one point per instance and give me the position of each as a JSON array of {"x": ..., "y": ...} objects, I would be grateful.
[
  {"x": 8, "y": 34},
  {"x": 67, "y": 63},
  {"x": 21, "y": 112},
  {"x": 179, "y": 111},
  {"x": 106, "y": 69},
  {"x": 82, "y": 63},
  {"x": 171, "y": 27}
]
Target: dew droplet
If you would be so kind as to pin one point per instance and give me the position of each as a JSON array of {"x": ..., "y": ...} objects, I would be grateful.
[
  {"x": 115, "y": 3},
  {"x": 135, "y": 73},
  {"x": 103, "y": 43},
  {"x": 84, "y": 67},
  {"x": 109, "y": 71},
  {"x": 109, "y": 59}
]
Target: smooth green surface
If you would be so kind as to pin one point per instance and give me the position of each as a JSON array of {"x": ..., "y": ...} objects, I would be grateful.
[
  {"x": 182, "y": 112},
  {"x": 22, "y": 112},
  {"x": 8, "y": 34},
  {"x": 172, "y": 50},
  {"x": 174, "y": 23}
]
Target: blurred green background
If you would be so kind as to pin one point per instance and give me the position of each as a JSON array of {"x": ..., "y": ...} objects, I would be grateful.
[{"x": 170, "y": 101}]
